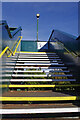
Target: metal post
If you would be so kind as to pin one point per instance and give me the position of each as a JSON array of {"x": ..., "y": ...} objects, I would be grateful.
[
  {"x": 37, "y": 29},
  {"x": 38, "y": 15}
]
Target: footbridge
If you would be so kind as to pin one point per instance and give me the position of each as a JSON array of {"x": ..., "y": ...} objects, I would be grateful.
[{"x": 39, "y": 80}]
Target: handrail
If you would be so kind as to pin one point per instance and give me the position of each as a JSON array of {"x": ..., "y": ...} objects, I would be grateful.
[
  {"x": 13, "y": 46},
  {"x": 69, "y": 50},
  {"x": 11, "y": 35},
  {"x": 11, "y": 52},
  {"x": 17, "y": 45},
  {"x": 7, "y": 48},
  {"x": 73, "y": 54},
  {"x": 15, "y": 31}
]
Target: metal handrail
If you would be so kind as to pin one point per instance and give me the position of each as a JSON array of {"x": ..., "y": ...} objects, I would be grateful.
[
  {"x": 17, "y": 45},
  {"x": 11, "y": 35},
  {"x": 72, "y": 53},
  {"x": 11, "y": 52},
  {"x": 7, "y": 48}
]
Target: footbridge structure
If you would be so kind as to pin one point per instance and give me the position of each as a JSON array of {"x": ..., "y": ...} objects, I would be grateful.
[{"x": 39, "y": 79}]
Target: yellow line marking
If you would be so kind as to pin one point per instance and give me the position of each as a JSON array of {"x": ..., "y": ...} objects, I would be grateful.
[
  {"x": 18, "y": 86},
  {"x": 39, "y": 98},
  {"x": 3, "y": 86},
  {"x": 31, "y": 86}
]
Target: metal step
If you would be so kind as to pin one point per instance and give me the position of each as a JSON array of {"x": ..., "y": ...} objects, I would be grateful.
[
  {"x": 42, "y": 85},
  {"x": 29, "y": 75},
  {"x": 36, "y": 53},
  {"x": 12, "y": 57},
  {"x": 10, "y": 63},
  {"x": 40, "y": 110},
  {"x": 44, "y": 56},
  {"x": 39, "y": 67},
  {"x": 39, "y": 80},
  {"x": 36, "y": 71},
  {"x": 42, "y": 64},
  {"x": 6, "y": 75},
  {"x": 68, "y": 98},
  {"x": 25, "y": 62},
  {"x": 38, "y": 57},
  {"x": 27, "y": 59},
  {"x": 31, "y": 64},
  {"x": 39, "y": 61},
  {"x": 10, "y": 67}
]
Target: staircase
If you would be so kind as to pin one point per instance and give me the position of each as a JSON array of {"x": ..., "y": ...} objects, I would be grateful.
[{"x": 39, "y": 83}]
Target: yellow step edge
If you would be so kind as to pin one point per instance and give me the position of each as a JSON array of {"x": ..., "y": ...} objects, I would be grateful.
[
  {"x": 3, "y": 86},
  {"x": 10, "y": 86},
  {"x": 39, "y": 98},
  {"x": 18, "y": 86}
]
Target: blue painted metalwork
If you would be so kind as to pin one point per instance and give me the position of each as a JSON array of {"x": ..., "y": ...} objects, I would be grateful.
[
  {"x": 79, "y": 26},
  {"x": 9, "y": 38},
  {"x": 70, "y": 42}
]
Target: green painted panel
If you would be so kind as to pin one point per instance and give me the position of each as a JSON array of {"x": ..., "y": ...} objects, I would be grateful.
[{"x": 30, "y": 46}]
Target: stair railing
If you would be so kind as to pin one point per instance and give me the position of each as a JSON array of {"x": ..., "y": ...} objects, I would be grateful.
[
  {"x": 11, "y": 52},
  {"x": 62, "y": 44}
]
